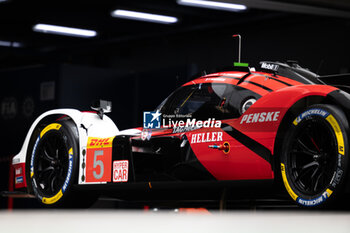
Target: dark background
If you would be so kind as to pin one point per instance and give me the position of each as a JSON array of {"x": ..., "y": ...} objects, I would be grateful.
[{"x": 137, "y": 64}]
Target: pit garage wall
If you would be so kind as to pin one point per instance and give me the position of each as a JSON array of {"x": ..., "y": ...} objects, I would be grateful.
[
  {"x": 131, "y": 93},
  {"x": 320, "y": 44},
  {"x": 24, "y": 93}
]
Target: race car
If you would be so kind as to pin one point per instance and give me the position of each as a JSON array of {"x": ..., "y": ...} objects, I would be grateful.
[{"x": 278, "y": 125}]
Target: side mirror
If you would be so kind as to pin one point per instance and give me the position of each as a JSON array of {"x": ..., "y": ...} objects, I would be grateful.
[{"x": 102, "y": 107}]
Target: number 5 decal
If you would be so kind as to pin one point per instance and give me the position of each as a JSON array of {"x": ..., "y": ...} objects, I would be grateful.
[
  {"x": 99, "y": 160},
  {"x": 98, "y": 163}
]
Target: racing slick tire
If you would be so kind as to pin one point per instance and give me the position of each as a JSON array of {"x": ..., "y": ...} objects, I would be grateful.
[
  {"x": 314, "y": 157},
  {"x": 52, "y": 163}
]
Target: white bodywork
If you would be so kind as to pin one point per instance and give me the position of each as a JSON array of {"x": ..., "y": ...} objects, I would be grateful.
[{"x": 88, "y": 124}]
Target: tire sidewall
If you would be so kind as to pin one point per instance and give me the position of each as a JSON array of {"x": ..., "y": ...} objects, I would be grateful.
[
  {"x": 338, "y": 123},
  {"x": 66, "y": 130}
]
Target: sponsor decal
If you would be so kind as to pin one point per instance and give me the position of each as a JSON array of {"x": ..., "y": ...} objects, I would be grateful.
[
  {"x": 215, "y": 79},
  {"x": 337, "y": 177},
  {"x": 260, "y": 117},
  {"x": 146, "y": 134},
  {"x": 120, "y": 170},
  {"x": 149, "y": 135},
  {"x": 19, "y": 180},
  {"x": 210, "y": 123},
  {"x": 99, "y": 142},
  {"x": 99, "y": 159},
  {"x": 183, "y": 129},
  {"x": 32, "y": 159},
  {"x": 314, "y": 111},
  {"x": 206, "y": 137},
  {"x": 151, "y": 120},
  {"x": 18, "y": 171},
  {"x": 312, "y": 202},
  {"x": 269, "y": 66},
  {"x": 70, "y": 168},
  {"x": 316, "y": 201}
]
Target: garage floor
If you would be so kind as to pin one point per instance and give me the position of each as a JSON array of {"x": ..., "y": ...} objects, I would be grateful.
[{"x": 169, "y": 221}]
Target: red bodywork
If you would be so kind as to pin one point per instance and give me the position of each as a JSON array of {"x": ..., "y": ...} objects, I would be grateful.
[{"x": 278, "y": 95}]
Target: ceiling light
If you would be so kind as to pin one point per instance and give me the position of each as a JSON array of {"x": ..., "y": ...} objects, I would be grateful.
[
  {"x": 66, "y": 31},
  {"x": 16, "y": 44},
  {"x": 213, "y": 5},
  {"x": 10, "y": 44},
  {"x": 134, "y": 15}
]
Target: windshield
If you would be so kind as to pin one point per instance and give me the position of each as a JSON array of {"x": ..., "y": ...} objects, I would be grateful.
[
  {"x": 209, "y": 100},
  {"x": 201, "y": 101}
]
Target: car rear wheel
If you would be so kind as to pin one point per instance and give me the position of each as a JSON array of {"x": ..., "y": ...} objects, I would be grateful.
[{"x": 315, "y": 156}]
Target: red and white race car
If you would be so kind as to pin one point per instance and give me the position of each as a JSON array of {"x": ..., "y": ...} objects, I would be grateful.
[{"x": 279, "y": 125}]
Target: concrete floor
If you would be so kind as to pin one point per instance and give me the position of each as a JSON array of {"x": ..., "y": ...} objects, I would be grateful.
[{"x": 97, "y": 221}]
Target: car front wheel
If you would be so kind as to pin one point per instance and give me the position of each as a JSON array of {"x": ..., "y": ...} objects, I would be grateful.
[
  {"x": 53, "y": 162},
  {"x": 314, "y": 158}
]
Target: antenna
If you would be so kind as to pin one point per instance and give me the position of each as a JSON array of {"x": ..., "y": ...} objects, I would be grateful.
[
  {"x": 239, "y": 65},
  {"x": 239, "y": 46}
]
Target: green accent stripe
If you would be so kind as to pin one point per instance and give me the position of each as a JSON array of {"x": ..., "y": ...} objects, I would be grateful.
[{"x": 240, "y": 64}]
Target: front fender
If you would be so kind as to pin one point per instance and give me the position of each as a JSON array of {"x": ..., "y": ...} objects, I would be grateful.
[
  {"x": 280, "y": 102},
  {"x": 89, "y": 124}
]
